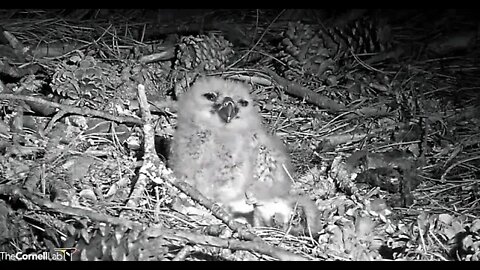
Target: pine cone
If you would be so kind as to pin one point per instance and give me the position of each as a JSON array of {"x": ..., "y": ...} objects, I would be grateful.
[
  {"x": 114, "y": 244},
  {"x": 210, "y": 52},
  {"x": 321, "y": 51},
  {"x": 197, "y": 55}
]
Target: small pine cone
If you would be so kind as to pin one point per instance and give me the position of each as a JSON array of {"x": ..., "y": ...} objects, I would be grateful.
[
  {"x": 210, "y": 52},
  {"x": 115, "y": 243}
]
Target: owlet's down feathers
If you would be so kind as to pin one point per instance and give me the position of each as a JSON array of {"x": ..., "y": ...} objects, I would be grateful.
[{"x": 221, "y": 148}]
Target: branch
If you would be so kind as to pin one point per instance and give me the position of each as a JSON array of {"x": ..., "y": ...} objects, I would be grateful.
[
  {"x": 206, "y": 240},
  {"x": 74, "y": 110},
  {"x": 444, "y": 175},
  {"x": 308, "y": 95},
  {"x": 150, "y": 158},
  {"x": 24, "y": 194}
]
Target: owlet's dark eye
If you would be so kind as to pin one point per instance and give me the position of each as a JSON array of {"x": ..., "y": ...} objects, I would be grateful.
[
  {"x": 210, "y": 96},
  {"x": 243, "y": 103}
]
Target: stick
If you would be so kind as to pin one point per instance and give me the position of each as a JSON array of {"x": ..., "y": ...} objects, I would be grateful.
[
  {"x": 148, "y": 169},
  {"x": 255, "y": 246},
  {"x": 444, "y": 175},
  {"x": 60, "y": 208},
  {"x": 310, "y": 96},
  {"x": 74, "y": 110}
]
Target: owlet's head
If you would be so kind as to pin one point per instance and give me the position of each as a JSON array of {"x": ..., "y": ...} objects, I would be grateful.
[{"x": 218, "y": 103}]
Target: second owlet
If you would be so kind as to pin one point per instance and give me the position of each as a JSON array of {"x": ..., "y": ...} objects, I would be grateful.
[{"x": 221, "y": 148}]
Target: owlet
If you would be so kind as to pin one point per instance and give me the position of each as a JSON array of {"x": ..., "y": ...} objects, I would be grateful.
[{"x": 221, "y": 148}]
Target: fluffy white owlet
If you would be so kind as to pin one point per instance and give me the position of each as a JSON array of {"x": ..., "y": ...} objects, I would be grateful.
[{"x": 221, "y": 148}]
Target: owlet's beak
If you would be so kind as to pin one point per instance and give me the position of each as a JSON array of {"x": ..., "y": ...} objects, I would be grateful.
[{"x": 227, "y": 110}]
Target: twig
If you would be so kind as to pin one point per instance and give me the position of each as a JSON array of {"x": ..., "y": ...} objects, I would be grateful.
[
  {"x": 182, "y": 254},
  {"x": 148, "y": 169},
  {"x": 216, "y": 210},
  {"x": 438, "y": 241},
  {"x": 258, "y": 41},
  {"x": 74, "y": 110},
  {"x": 363, "y": 64},
  {"x": 192, "y": 238},
  {"x": 54, "y": 119},
  {"x": 421, "y": 237},
  {"x": 16, "y": 72},
  {"x": 251, "y": 79},
  {"x": 305, "y": 93},
  {"x": 255, "y": 246},
  {"x": 443, "y": 180},
  {"x": 167, "y": 54},
  {"x": 60, "y": 208}
]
